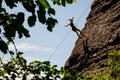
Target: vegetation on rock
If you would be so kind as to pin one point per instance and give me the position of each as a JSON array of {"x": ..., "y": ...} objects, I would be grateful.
[{"x": 111, "y": 71}]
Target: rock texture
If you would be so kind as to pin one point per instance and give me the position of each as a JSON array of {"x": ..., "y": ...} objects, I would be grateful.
[{"x": 103, "y": 30}]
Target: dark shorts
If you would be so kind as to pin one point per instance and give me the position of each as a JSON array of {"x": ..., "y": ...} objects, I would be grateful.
[{"x": 74, "y": 28}]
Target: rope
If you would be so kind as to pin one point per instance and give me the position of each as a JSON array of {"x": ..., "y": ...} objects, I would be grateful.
[
  {"x": 59, "y": 45},
  {"x": 83, "y": 13},
  {"x": 68, "y": 32},
  {"x": 2, "y": 57}
]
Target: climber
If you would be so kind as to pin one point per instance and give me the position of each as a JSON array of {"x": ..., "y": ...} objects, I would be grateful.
[{"x": 74, "y": 27}]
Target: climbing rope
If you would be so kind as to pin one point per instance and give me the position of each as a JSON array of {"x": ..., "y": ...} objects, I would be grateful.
[
  {"x": 59, "y": 45},
  {"x": 83, "y": 13}
]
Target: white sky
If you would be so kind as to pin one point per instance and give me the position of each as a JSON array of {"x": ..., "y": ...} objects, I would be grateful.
[{"x": 42, "y": 43}]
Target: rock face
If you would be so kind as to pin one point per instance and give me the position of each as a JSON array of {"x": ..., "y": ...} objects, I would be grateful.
[{"x": 103, "y": 35}]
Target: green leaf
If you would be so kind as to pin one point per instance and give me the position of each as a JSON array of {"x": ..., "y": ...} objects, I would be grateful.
[
  {"x": 46, "y": 63},
  {"x": 54, "y": 66},
  {"x": 22, "y": 31},
  {"x": 11, "y": 52},
  {"x": 62, "y": 70},
  {"x": 69, "y": 1},
  {"x": 8, "y": 43},
  {"x": 31, "y": 20},
  {"x": 10, "y": 31},
  {"x": 29, "y": 5},
  {"x": 26, "y": 6},
  {"x": 26, "y": 33},
  {"x": 20, "y": 53},
  {"x": 63, "y": 2},
  {"x": 3, "y": 46},
  {"x": 45, "y": 3},
  {"x": 20, "y": 35},
  {"x": 41, "y": 15},
  {"x": 2, "y": 73},
  {"x": 13, "y": 76},
  {"x": 11, "y": 3},
  {"x": 74, "y": 0},
  {"x": 51, "y": 23},
  {"x": 24, "y": 77},
  {"x": 51, "y": 11},
  {"x": 20, "y": 18}
]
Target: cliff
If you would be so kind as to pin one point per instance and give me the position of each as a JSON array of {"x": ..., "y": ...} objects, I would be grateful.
[{"x": 103, "y": 35}]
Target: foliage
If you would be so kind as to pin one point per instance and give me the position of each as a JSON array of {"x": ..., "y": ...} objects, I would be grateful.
[
  {"x": 114, "y": 64},
  {"x": 110, "y": 72},
  {"x": 12, "y": 26},
  {"x": 70, "y": 75},
  {"x": 18, "y": 68},
  {"x": 63, "y": 2}
]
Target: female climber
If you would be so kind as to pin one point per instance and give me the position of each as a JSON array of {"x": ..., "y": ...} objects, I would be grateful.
[{"x": 74, "y": 28}]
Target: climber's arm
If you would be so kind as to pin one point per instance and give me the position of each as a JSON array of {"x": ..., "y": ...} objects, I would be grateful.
[
  {"x": 67, "y": 25},
  {"x": 71, "y": 22}
]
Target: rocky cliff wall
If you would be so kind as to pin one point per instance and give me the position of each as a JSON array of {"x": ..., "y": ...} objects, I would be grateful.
[{"x": 103, "y": 35}]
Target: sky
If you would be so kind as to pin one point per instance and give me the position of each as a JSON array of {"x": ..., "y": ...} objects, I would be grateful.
[{"x": 57, "y": 45}]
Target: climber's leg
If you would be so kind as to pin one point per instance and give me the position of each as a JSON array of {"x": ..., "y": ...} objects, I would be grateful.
[{"x": 77, "y": 34}]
